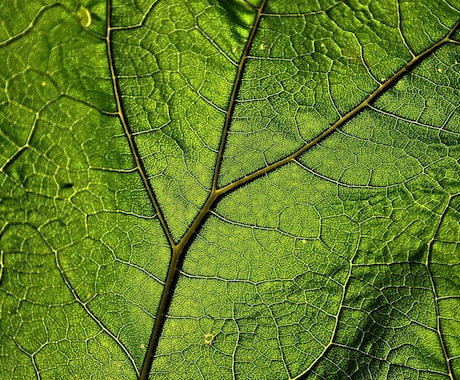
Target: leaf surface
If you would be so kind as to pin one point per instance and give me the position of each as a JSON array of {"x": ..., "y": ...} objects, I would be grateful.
[{"x": 230, "y": 190}]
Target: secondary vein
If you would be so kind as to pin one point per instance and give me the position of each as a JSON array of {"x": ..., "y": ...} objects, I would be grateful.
[{"x": 129, "y": 135}]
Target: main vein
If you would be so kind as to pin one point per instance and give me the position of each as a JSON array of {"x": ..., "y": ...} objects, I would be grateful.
[{"x": 179, "y": 249}]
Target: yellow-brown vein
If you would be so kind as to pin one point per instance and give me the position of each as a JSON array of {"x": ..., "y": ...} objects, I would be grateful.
[
  {"x": 178, "y": 249},
  {"x": 132, "y": 145}
]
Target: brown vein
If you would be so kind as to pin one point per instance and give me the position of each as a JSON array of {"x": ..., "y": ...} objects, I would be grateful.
[
  {"x": 442, "y": 342},
  {"x": 179, "y": 249},
  {"x": 132, "y": 145},
  {"x": 236, "y": 87},
  {"x": 379, "y": 91}
]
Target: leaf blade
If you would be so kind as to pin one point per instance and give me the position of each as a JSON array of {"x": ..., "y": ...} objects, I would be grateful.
[{"x": 310, "y": 262}]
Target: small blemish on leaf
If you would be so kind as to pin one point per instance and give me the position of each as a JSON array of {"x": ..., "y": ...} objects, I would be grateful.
[
  {"x": 44, "y": 84},
  {"x": 304, "y": 241},
  {"x": 234, "y": 49},
  {"x": 142, "y": 346},
  {"x": 208, "y": 339},
  {"x": 85, "y": 16},
  {"x": 439, "y": 70},
  {"x": 262, "y": 46}
]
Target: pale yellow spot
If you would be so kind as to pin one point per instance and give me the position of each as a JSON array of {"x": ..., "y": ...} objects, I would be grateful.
[
  {"x": 439, "y": 70},
  {"x": 208, "y": 339},
  {"x": 85, "y": 16},
  {"x": 323, "y": 45},
  {"x": 234, "y": 49},
  {"x": 262, "y": 46},
  {"x": 304, "y": 241},
  {"x": 383, "y": 79},
  {"x": 43, "y": 83},
  {"x": 142, "y": 346}
]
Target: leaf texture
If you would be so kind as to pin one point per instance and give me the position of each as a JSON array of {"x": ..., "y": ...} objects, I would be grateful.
[{"x": 242, "y": 189}]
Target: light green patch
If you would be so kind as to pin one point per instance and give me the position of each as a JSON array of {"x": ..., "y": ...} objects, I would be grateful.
[
  {"x": 209, "y": 339},
  {"x": 85, "y": 16}
]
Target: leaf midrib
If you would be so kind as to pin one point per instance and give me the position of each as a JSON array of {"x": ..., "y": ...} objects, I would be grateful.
[{"x": 178, "y": 250}]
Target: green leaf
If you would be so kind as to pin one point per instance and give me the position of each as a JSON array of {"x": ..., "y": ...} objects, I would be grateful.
[{"x": 250, "y": 189}]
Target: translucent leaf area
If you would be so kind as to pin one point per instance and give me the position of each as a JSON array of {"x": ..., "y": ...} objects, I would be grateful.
[{"x": 238, "y": 189}]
